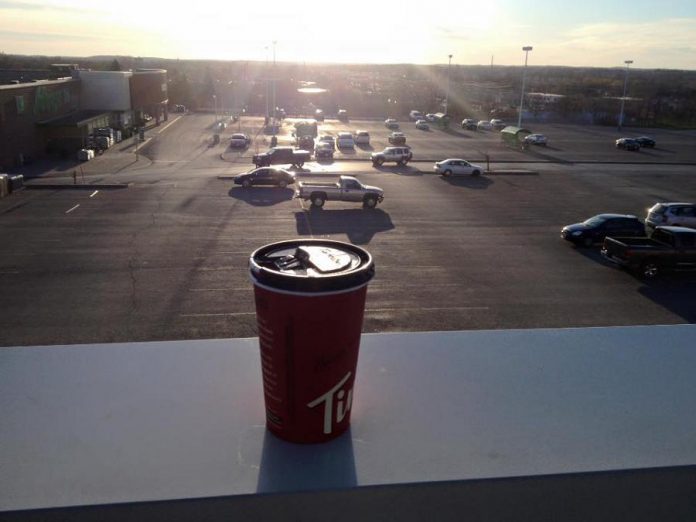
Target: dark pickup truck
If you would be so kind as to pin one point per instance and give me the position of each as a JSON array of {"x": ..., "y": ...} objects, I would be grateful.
[
  {"x": 282, "y": 156},
  {"x": 669, "y": 248}
]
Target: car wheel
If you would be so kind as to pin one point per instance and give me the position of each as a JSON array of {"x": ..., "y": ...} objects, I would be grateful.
[
  {"x": 400, "y": 162},
  {"x": 649, "y": 270},
  {"x": 447, "y": 173},
  {"x": 380, "y": 162},
  {"x": 587, "y": 242},
  {"x": 282, "y": 183},
  {"x": 318, "y": 201},
  {"x": 246, "y": 183},
  {"x": 476, "y": 173},
  {"x": 370, "y": 202}
]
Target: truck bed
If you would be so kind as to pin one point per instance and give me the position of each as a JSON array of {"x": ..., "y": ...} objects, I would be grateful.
[{"x": 318, "y": 184}]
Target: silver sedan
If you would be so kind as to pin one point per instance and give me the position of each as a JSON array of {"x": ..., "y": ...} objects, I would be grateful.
[{"x": 453, "y": 166}]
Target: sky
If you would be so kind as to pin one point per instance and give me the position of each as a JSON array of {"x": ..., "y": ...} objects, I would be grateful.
[{"x": 592, "y": 33}]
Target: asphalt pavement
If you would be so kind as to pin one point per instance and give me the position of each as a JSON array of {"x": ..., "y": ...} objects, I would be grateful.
[{"x": 166, "y": 258}]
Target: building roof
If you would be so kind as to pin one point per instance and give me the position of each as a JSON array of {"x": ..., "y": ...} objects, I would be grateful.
[
  {"x": 74, "y": 119},
  {"x": 37, "y": 83}
]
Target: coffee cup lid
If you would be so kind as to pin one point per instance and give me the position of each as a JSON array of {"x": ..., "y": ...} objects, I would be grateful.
[{"x": 311, "y": 265}]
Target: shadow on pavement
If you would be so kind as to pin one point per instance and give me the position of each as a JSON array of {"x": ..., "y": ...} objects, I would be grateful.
[
  {"x": 401, "y": 170},
  {"x": 359, "y": 224},
  {"x": 675, "y": 292},
  {"x": 262, "y": 196},
  {"x": 472, "y": 182},
  {"x": 365, "y": 146},
  {"x": 455, "y": 132}
]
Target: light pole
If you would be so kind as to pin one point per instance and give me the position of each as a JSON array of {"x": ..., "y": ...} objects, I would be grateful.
[
  {"x": 449, "y": 64},
  {"x": 623, "y": 98},
  {"x": 273, "y": 122},
  {"x": 266, "y": 48},
  {"x": 215, "y": 107},
  {"x": 526, "y": 50}
]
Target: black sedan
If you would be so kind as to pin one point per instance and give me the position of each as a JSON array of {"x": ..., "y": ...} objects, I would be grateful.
[
  {"x": 265, "y": 176},
  {"x": 645, "y": 141},
  {"x": 595, "y": 229},
  {"x": 627, "y": 144}
]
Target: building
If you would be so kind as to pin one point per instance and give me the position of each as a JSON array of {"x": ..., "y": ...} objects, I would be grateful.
[{"x": 58, "y": 116}]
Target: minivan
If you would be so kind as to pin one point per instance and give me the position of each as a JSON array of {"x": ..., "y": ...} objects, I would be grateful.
[
  {"x": 415, "y": 115},
  {"x": 345, "y": 140}
]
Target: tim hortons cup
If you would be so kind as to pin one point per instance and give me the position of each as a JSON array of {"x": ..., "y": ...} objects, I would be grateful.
[{"x": 310, "y": 300}]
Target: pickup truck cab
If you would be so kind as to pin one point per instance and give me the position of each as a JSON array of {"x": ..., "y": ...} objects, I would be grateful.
[
  {"x": 398, "y": 155},
  {"x": 669, "y": 248},
  {"x": 282, "y": 156},
  {"x": 346, "y": 189}
]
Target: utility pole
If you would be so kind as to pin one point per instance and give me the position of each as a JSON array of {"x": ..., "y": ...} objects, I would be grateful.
[
  {"x": 623, "y": 98},
  {"x": 274, "y": 88},
  {"x": 526, "y": 50},
  {"x": 449, "y": 65}
]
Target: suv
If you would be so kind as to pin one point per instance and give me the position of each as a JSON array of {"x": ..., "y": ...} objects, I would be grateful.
[
  {"x": 676, "y": 214},
  {"x": 399, "y": 155},
  {"x": 469, "y": 124}
]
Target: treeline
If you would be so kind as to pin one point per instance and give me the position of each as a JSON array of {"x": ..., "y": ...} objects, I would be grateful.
[{"x": 656, "y": 97}]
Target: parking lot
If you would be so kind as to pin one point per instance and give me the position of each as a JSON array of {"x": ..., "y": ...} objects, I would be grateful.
[{"x": 167, "y": 257}]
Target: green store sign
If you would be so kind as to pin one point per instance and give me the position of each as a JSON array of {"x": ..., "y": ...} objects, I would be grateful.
[{"x": 51, "y": 100}]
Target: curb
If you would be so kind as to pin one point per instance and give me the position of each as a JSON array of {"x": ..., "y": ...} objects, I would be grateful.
[{"x": 69, "y": 186}]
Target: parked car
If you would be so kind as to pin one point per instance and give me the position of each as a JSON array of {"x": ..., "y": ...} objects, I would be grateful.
[
  {"x": 398, "y": 155},
  {"x": 239, "y": 140},
  {"x": 362, "y": 137},
  {"x": 430, "y": 117},
  {"x": 391, "y": 123},
  {"x": 484, "y": 125},
  {"x": 265, "y": 176},
  {"x": 627, "y": 144},
  {"x": 281, "y": 155},
  {"x": 456, "y": 166},
  {"x": 498, "y": 124},
  {"x": 327, "y": 138},
  {"x": 323, "y": 150},
  {"x": 469, "y": 124},
  {"x": 596, "y": 228},
  {"x": 677, "y": 214},
  {"x": 536, "y": 139},
  {"x": 397, "y": 138},
  {"x": 346, "y": 189},
  {"x": 342, "y": 115},
  {"x": 669, "y": 248},
  {"x": 415, "y": 115},
  {"x": 422, "y": 125},
  {"x": 645, "y": 141},
  {"x": 345, "y": 140}
]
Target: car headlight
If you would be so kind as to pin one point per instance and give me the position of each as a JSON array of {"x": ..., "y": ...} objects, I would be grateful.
[{"x": 576, "y": 233}]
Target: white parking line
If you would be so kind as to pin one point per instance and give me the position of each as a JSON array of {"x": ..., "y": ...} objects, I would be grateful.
[
  {"x": 69, "y": 211},
  {"x": 230, "y": 314},
  {"x": 94, "y": 193}
]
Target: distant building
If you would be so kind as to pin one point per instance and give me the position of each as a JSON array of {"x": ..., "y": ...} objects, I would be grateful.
[{"x": 57, "y": 114}]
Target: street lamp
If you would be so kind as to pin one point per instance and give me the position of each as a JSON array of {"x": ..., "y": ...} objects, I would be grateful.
[
  {"x": 273, "y": 122},
  {"x": 215, "y": 107},
  {"x": 623, "y": 98},
  {"x": 526, "y": 50},
  {"x": 449, "y": 64}
]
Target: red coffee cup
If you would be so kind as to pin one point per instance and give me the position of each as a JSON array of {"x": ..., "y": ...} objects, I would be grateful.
[{"x": 310, "y": 299}]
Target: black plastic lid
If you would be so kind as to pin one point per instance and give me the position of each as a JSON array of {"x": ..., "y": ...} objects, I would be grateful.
[{"x": 311, "y": 266}]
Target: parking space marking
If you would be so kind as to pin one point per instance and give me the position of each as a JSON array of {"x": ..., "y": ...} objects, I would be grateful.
[
  {"x": 418, "y": 309},
  {"x": 69, "y": 211},
  {"x": 94, "y": 193}
]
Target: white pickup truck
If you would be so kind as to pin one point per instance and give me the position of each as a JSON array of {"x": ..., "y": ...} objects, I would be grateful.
[{"x": 346, "y": 189}]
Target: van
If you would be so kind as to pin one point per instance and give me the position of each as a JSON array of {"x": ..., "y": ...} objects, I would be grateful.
[
  {"x": 345, "y": 140},
  {"x": 415, "y": 115}
]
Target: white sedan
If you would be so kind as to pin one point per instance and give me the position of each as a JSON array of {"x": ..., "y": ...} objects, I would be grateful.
[
  {"x": 536, "y": 139},
  {"x": 449, "y": 167}
]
